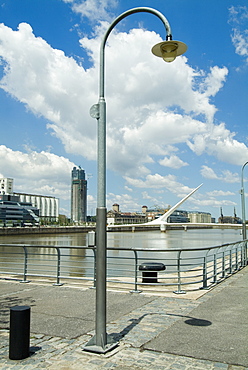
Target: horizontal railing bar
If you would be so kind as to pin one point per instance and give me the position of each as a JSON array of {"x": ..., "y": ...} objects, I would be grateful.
[
  {"x": 125, "y": 248},
  {"x": 184, "y": 269}
]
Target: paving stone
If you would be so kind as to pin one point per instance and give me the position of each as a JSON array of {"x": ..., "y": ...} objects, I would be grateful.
[{"x": 135, "y": 329}]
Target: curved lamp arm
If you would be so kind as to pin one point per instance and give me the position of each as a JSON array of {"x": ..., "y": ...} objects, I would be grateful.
[
  {"x": 115, "y": 22},
  {"x": 168, "y": 50}
]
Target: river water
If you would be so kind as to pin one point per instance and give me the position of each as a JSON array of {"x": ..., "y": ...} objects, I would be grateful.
[
  {"x": 80, "y": 262},
  {"x": 172, "y": 239}
]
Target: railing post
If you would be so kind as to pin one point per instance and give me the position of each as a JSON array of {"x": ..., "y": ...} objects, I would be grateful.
[
  {"x": 236, "y": 258},
  {"x": 223, "y": 265},
  {"x": 246, "y": 260},
  {"x": 135, "y": 274},
  {"x": 94, "y": 252},
  {"x": 25, "y": 265},
  {"x": 244, "y": 254},
  {"x": 58, "y": 267},
  {"x": 179, "y": 291},
  {"x": 214, "y": 269},
  {"x": 204, "y": 273},
  {"x": 230, "y": 260}
]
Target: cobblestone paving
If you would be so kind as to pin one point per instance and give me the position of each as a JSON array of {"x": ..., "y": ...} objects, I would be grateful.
[{"x": 132, "y": 331}]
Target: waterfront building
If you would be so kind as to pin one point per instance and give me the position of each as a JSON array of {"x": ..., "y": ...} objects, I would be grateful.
[
  {"x": 78, "y": 195},
  {"x": 152, "y": 214},
  {"x": 178, "y": 216},
  {"x": 199, "y": 217},
  {"x": 116, "y": 217},
  {"x": 48, "y": 206},
  {"x": 13, "y": 212}
]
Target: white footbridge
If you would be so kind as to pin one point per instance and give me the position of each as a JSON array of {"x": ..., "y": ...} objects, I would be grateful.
[{"x": 162, "y": 221}]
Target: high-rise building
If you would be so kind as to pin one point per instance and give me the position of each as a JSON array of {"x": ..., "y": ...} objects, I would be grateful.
[{"x": 78, "y": 195}]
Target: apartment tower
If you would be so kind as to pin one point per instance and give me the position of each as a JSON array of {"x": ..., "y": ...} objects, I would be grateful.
[{"x": 78, "y": 195}]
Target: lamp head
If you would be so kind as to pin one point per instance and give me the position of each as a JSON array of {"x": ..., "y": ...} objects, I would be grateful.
[{"x": 169, "y": 50}]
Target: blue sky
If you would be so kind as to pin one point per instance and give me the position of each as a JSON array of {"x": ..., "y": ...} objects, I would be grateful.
[{"x": 170, "y": 127}]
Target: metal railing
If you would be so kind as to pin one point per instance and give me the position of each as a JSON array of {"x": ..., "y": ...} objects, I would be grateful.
[{"x": 186, "y": 270}]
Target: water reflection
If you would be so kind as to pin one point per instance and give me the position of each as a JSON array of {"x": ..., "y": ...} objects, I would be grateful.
[
  {"x": 173, "y": 239},
  {"x": 80, "y": 262}
]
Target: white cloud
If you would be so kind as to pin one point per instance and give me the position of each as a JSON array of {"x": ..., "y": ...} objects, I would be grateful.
[
  {"x": 226, "y": 175},
  {"x": 126, "y": 202},
  {"x": 214, "y": 81},
  {"x": 238, "y": 19},
  {"x": 213, "y": 203},
  {"x": 208, "y": 173},
  {"x": 50, "y": 84},
  {"x": 128, "y": 189},
  {"x": 168, "y": 183},
  {"x": 219, "y": 193},
  {"x": 140, "y": 126},
  {"x": 145, "y": 195},
  {"x": 152, "y": 200},
  {"x": 173, "y": 161},
  {"x": 219, "y": 142},
  {"x": 93, "y": 9},
  {"x": 240, "y": 42},
  {"x": 38, "y": 173}
]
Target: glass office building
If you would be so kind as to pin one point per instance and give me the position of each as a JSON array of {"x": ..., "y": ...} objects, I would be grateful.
[{"x": 78, "y": 196}]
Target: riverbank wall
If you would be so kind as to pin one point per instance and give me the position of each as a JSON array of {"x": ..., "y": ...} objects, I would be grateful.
[
  {"x": 45, "y": 230},
  {"x": 114, "y": 228}
]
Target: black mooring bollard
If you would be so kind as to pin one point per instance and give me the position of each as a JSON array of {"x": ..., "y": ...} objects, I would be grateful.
[{"x": 19, "y": 335}]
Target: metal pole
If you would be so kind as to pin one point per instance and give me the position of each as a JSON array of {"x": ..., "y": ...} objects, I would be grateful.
[
  {"x": 25, "y": 265},
  {"x": 58, "y": 267},
  {"x": 179, "y": 291},
  {"x": 135, "y": 274},
  {"x": 242, "y": 192},
  {"x": 101, "y": 342}
]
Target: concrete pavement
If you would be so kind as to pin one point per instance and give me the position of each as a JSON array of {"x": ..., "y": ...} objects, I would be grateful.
[{"x": 207, "y": 331}]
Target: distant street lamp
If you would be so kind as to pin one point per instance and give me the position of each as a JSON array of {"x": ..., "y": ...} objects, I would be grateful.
[
  {"x": 242, "y": 192},
  {"x": 168, "y": 50}
]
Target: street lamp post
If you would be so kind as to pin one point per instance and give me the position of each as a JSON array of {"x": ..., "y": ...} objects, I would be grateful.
[
  {"x": 242, "y": 192},
  {"x": 168, "y": 50}
]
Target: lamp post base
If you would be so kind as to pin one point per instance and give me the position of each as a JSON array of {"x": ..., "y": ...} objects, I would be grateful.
[{"x": 91, "y": 346}]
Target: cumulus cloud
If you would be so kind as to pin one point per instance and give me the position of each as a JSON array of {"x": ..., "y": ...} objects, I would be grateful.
[
  {"x": 220, "y": 193},
  {"x": 208, "y": 173},
  {"x": 238, "y": 19},
  {"x": 39, "y": 173},
  {"x": 50, "y": 85},
  {"x": 173, "y": 161},
  {"x": 216, "y": 203},
  {"x": 126, "y": 202},
  {"x": 219, "y": 142},
  {"x": 152, "y": 109},
  {"x": 226, "y": 175},
  {"x": 214, "y": 81},
  {"x": 93, "y": 9},
  {"x": 141, "y": 127},
  {"x": 168, "y": 183}
]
